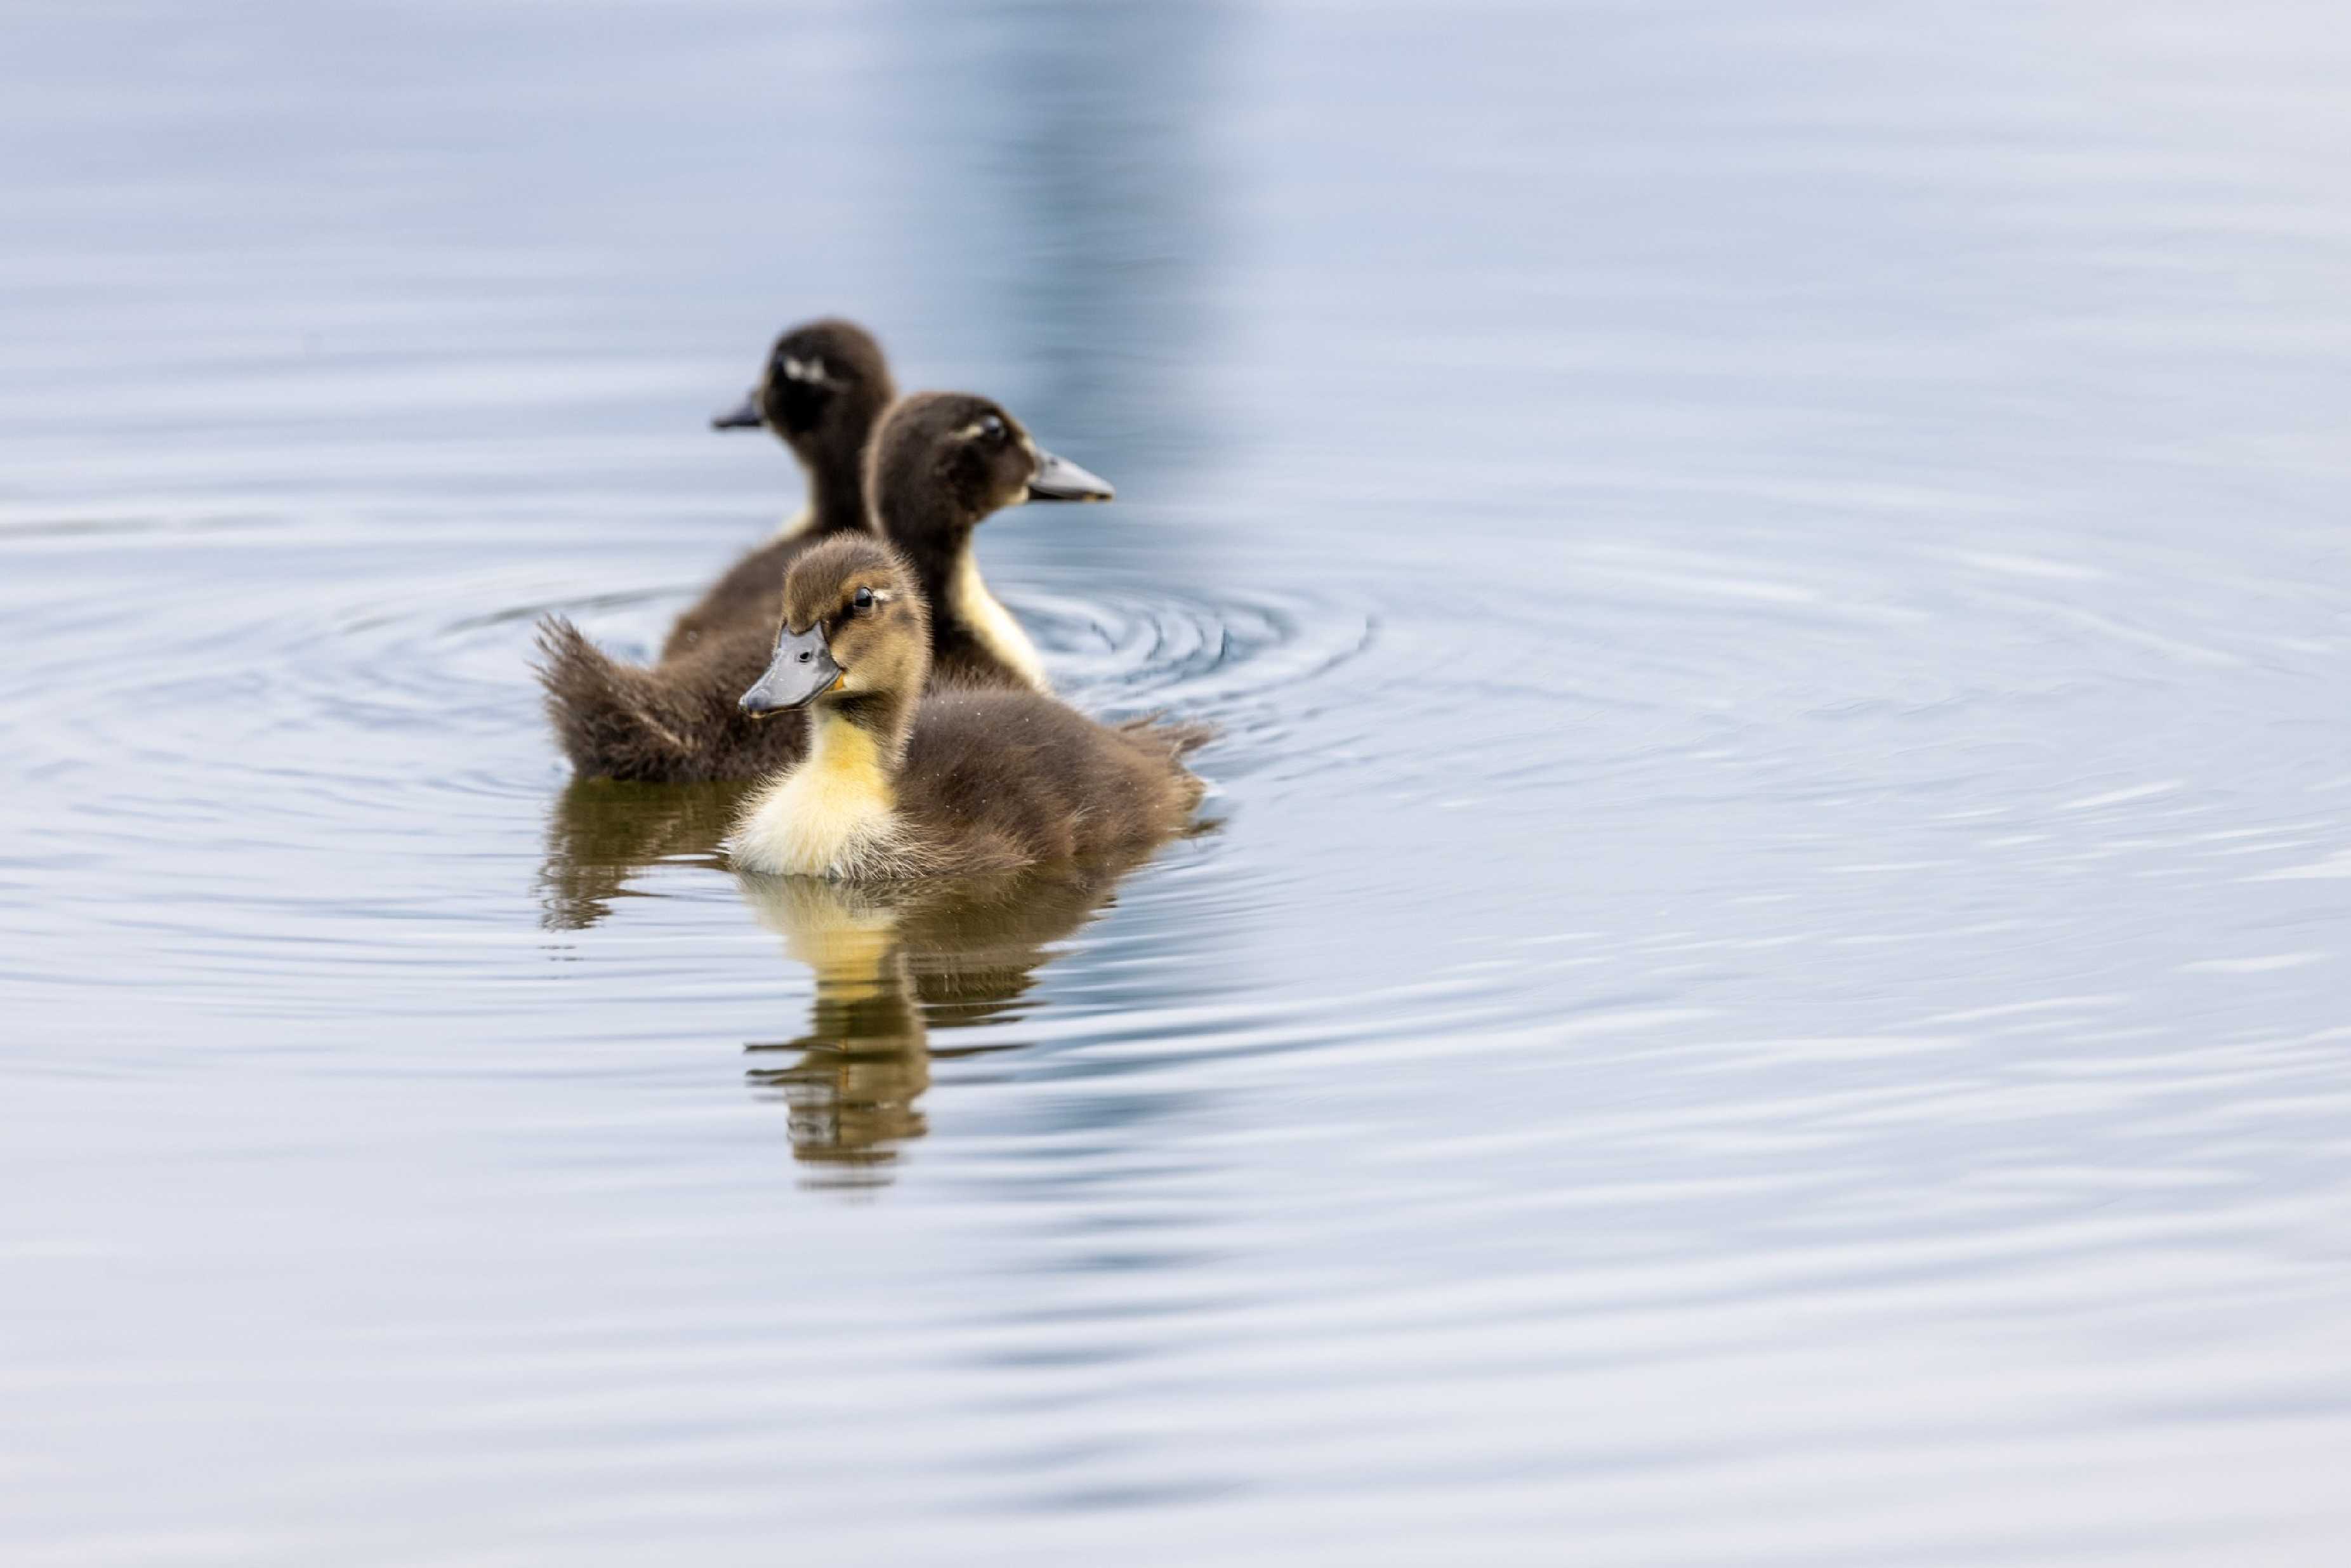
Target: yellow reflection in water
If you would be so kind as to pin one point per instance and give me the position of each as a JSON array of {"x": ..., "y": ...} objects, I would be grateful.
[{"x": 895, "y": 965}]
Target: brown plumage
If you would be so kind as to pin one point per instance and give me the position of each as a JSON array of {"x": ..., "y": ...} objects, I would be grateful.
[
  {"x": 958, "y": 782},
  {"x": 941, "y": 463}
]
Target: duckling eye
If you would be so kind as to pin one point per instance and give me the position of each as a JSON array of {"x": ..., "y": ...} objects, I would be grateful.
[
  {"x": 991, "y": 428},
  {"x": 864, "y": 599}
]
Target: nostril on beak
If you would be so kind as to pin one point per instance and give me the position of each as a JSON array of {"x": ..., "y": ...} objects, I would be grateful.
[{"x": 804, "y": 656}]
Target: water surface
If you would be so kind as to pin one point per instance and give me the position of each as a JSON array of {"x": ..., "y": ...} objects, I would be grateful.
[{"x": 1765, "y": 977}]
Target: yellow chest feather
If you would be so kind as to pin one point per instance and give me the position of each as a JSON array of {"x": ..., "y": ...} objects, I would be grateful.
[{"x": 828, "y": 816}]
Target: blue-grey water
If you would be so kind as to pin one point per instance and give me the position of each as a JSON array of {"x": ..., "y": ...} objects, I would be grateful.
[{"x": 1768, "y": 984}]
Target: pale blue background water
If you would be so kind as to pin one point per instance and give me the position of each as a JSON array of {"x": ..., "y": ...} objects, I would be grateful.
[{"x": 1773, "y": 983}]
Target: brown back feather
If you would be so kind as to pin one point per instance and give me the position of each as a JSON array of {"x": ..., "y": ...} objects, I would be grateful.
[{"x": 995, "y": 780}]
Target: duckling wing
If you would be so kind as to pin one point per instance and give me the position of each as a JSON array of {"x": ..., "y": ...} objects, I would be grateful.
[{"x": 1022, "y": 779}]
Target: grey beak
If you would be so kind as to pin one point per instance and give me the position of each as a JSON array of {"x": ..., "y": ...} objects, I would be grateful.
[
  {"x": 1059, "y": 479},
  {"x": 744, "y": 418},
  {"x": 801, "y": 670}
]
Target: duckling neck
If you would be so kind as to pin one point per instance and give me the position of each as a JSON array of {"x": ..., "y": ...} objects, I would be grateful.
[
  {"x": 835, "y": 814},
  {"x": 992, "y": 626},
  {"x": 965, "y": 617},
  {"x": 836, "y": 497}
]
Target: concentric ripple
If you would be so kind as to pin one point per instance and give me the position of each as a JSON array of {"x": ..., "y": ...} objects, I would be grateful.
[
  {"x": 1761, "y": 981},
  {"x": 1193, "y": 654}
]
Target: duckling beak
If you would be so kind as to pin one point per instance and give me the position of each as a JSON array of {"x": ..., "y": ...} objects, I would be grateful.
[
  {"x": 1059, "y": 479},
  {"x": 744, "y": 418},
  {"x": 801, "y": 670}
]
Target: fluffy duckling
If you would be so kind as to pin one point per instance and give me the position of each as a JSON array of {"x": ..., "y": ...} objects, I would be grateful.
[
  {"x": 962, "y": 781},
  {"x": 823, "y": 389},
  {"x": 941, "y": 463}
]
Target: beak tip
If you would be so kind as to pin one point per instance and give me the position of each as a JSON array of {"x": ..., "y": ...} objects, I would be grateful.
[
  {"x": 743, "y": 416},
  {"x": 1059, "y": 479}
]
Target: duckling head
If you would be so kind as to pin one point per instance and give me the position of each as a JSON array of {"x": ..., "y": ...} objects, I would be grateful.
[
  {"x": 823, "y": 386},
  {"x": 855, "y": 632},
  {"x": 943, "y": 461}
]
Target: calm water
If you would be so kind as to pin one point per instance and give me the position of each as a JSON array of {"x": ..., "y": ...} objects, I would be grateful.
[{"x": 1768, "y": 980}]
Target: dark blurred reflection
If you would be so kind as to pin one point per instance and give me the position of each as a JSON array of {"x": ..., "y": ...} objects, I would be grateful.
[
  {"x": 1072, "y": 133},
  {"x": 602, "y": 834},
  {"x": 896, "y": 965}
]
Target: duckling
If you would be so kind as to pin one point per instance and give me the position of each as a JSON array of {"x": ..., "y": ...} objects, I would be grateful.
[
  {"x": 963, "y": 782},
  {"x": 823, "y": 390},
  {"x": 941, "y": 463}
]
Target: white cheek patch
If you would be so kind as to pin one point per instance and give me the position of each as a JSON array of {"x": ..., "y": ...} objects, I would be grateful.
[
  {"x": 809, "y": 371},
  {"x": 1035, "y": 460}
]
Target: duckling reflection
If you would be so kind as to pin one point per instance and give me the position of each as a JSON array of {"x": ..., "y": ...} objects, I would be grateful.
[
  {"x": 602, "y": 834},
  {"x": 896, "y": 963}
]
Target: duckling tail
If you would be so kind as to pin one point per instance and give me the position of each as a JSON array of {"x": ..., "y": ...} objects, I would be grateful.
[
  {"x": 1180, "y": 737},
  {"x": 613, "y": 720}
]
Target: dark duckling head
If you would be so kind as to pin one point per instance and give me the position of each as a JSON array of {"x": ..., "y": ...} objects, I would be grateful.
[
  {"x": 824, "y": 386},
  {"x": 940, "y": 464},
  {"x": 855, "y": 635},
  {"x": 949, "y": 459}
]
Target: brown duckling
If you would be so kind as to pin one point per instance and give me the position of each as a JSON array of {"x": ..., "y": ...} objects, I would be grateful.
[
  {"x": 823, "y": 389},
  {"x": 941, "y": 463},
  {"x": 960, "y": 781}
]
